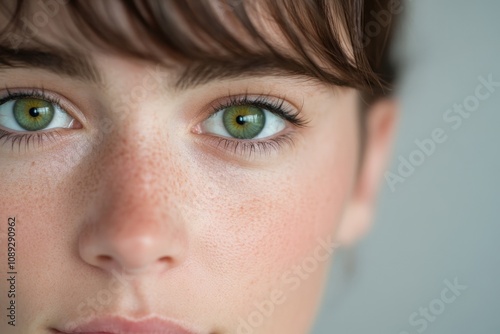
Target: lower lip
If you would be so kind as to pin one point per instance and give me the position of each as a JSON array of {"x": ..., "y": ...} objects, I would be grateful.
[
  {"x": 132, "y": 332},
  {"x": 55, "y": 331},
  {"x": 113, "y": 326}
]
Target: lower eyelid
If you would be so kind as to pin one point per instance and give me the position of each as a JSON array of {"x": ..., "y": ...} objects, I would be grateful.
[
  {"x": 249, "y": 148},
  {"x": 26, "y": 140}
]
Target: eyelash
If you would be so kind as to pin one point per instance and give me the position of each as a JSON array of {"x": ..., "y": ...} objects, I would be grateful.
[
  {"x": 24, "y": 139},
  {"x": 276, "y": 106}
]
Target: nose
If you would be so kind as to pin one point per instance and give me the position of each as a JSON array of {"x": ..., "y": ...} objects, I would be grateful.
[
  {"x": 132, "y": 224},
  {"x": 133, "y": 244}
]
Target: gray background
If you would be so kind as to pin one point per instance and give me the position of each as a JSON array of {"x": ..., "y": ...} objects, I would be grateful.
[{"x": 442, "y": 222}]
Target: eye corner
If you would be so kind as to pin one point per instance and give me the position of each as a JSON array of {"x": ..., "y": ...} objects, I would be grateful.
[
  {"x": 197, "y": 129},
  {"x": 75, "y": 124}
]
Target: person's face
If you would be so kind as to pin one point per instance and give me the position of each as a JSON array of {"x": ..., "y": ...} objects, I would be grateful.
[{"x": 137, "y": 206}]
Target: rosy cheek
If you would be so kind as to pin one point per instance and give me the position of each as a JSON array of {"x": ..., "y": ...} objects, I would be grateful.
[
  {"x": 266, "y": 222},
  {"x": 29, "y": 192}
]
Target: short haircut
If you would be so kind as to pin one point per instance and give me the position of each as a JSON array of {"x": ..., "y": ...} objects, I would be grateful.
[{"x": 338, "y": 42}]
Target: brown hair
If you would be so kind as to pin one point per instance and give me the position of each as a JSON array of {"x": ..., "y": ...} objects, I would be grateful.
[{"x": 325, "y": 39}]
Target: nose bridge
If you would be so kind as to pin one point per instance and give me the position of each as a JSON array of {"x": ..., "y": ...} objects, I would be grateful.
[
  {"x": 135, "y": 158},
  {"x": 140, "y": 160},
  {"x": 141, "y": 172}
]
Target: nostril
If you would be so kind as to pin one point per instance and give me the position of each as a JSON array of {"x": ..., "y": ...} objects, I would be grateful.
[
  {"x": 165, "y": 259},
  {"x": 104, "y": 258}
]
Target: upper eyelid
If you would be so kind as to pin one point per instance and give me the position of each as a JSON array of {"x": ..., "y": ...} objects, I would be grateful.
[
  {"x": 246, "y": 98},
  {"x": 277, "y": 105},
  {"x": 24, "y": 93}
]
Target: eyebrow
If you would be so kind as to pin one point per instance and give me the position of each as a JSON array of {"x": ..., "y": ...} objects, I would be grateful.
[
  {"x": 82, "y": 67},
  {"x": 206, "y": 71},
  {"x": 77, "y": 66}
]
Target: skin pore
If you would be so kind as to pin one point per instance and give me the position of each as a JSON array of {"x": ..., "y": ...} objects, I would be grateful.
[{"x": 201, "y": 227}]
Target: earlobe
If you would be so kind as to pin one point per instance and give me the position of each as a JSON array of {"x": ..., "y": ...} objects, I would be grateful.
[
  {"x": 380, "y": 128},
  {"x": 355, "y": 223}
]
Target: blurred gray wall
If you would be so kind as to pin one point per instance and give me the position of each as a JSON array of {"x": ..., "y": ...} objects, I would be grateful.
[{"x": 440, "y": 226}]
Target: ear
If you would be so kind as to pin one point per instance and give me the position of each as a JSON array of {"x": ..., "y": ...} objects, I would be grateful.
[{"x": 380, "y": 128}]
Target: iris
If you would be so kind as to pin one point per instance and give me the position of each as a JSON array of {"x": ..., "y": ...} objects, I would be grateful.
[
  {"x": 244, "y": 122},
  {"x": 33, "y": 114}
]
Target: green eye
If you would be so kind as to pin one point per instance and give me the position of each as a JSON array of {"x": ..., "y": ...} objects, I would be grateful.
[
  {"x": 244, "y": 122},
  {"x": 33, "y": 114}
]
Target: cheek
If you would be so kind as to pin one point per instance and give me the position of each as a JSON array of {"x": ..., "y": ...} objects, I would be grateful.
[
  {"x": 35, "y": 194},
  {"x": 260, "y": 224}
]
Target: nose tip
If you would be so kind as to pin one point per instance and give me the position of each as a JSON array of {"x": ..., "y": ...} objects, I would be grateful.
[
  {"x": 133, "y": 255},
  {"x": 132, "y": 246}
]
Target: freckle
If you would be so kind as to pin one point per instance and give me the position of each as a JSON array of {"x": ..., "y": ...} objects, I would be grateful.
[{"x": 33, "y": 163}]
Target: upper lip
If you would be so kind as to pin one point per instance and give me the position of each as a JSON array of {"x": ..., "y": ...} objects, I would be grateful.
[{"x": 118, "y": 325}]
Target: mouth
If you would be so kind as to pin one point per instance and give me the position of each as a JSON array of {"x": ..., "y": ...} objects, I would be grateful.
[{"x": 118, "y": 325}]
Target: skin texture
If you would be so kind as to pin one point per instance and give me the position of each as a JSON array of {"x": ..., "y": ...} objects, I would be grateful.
[{"x": 198, "y": 233}]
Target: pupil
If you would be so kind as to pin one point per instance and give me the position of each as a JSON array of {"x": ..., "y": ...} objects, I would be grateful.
[
  {"x": 240, "y": 120},
  {"x": 34, "y": 112}
]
